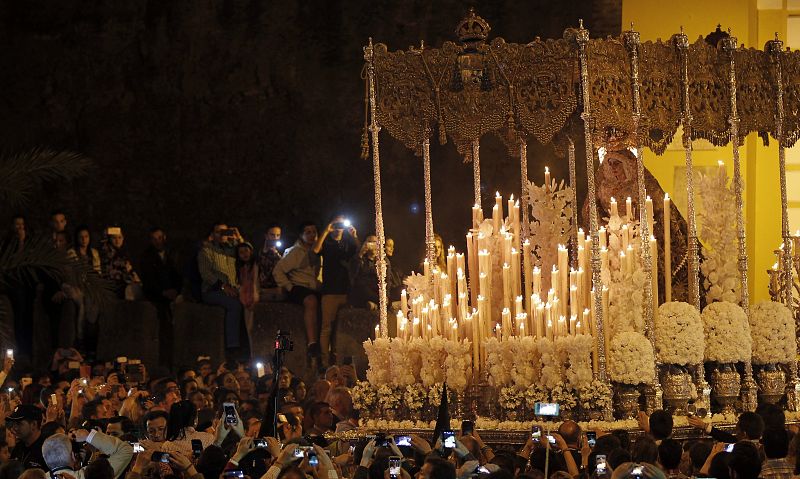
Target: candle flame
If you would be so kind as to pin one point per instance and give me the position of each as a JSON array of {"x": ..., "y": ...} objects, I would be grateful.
[
  {"x": 547, "y": 169},
  {"x": 720, "y": 163},
  {"x": 497, "y": 195},
  {"x": 666, "y": 196}
]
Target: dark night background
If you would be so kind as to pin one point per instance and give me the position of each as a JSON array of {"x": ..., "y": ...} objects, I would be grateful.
[{"x": 244, "y": 111}]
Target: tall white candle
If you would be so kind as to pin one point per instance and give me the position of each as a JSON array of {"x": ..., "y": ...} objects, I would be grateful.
[
  {"x": 614, "y": 210},
  {"x": 547, "y": 179}
]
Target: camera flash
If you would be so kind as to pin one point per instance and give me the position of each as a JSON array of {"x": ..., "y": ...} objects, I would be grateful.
[
  {"x": 278, "y": 244},
  {"x": 10, "y": 353},
  {"x": 259, "y": 365},
  {"x": 346, "y": 223}
]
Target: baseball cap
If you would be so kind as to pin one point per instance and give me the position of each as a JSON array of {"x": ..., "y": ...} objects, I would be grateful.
[{"x": 25, "y": 412}]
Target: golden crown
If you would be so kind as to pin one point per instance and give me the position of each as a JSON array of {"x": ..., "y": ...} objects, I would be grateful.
[{"x": 472, "y": 28}]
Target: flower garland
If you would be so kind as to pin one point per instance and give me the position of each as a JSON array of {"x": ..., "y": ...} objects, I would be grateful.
[
  {"x": 377, "y": 351},
  {"x": 772, "y": 329},
  {"x": 415, "y": 396},
  {"x": 550, "y": 375},
  {"x": 574, "y": 353},
  {"x": 499, "y": 361},
  {"x": 388, "y": 397},
  {"x": 596, "y": 395},
  {"x": 727, "y": 333},
  {"x": 401, "y": 363},
  {"x": 525, "y": 370},
  {"x": 435, "y": 395},
  {"x": 432, "y": 353},
  {"x": 679, "y": 334},
  {"x": 364, "y": 395},
  {"x": 511, "y": 398},
  {"x": 716, "y": 215},
  {"x": 549, "y": 222},
  {"x": 631, "y": 359}
]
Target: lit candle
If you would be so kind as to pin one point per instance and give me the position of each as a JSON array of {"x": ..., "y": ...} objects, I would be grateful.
[
  {"x": 510, "y": 207},
  {"x": 539, "y": 321},
  {"x": 377, "y": 331},
  {"x": 549, "y": 327},
  {"x": 573, "y": 325},
  {"x": 260, "y": 369},
  {"x": 537, "y": 281},
  {"x": 516, "y": 277},
  {"x": 400, "y": 319},
  {"x": 629, "y": 209},
  {"x": 506, "y": 318},
  {"x": 497, "y": 212},
  {"x": 667, "y": 250},
  {"x": 477, "y": 216},
  {"x": 721, "y": 171},
  {"x": 624, "y": 236},
  {"x": 650, "y": 218},
  {"x": 629, "y": 256},
  {"x": 554, "y": 281},
  {"x": 563, "y": 266},
  {"x": 518, "y": 309},
  {"x": 507, "y": 291},
  {"x": 517, "y": 230},
  {"x": 606, "y": 319},
  {"x": 605, "y": 271},
  {"x": 602, "y": 234},
  {"x": 562, "y": 326},
  {"x": 547, "y": 179},
  {"x": 426, "y": 268},
  {"x": 573, "y": 301},
  {"x": 415, "y": 328},
  {"x": 614, "y": 211},
  {"x": 404, "y": 302}
]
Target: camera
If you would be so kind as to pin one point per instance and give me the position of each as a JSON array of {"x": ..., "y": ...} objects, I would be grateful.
[
  {"x": 137, "y": 448},
  {"x": 260, "y": 443},
  {"x": 313, "y": 460},
  {"x": 283, "y": 341},
  {"x": 197, "y": 447},
  {"x": 159, "y": 456},
  {"x": 403, "y": 441},
  {"x": 233, "y": 473},
  {"x": 381, "y": 440}
]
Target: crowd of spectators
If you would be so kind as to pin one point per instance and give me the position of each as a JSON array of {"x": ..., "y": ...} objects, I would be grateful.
[
  {"x": 321, "y": 272},
  {"x": 236, "y": 420}
]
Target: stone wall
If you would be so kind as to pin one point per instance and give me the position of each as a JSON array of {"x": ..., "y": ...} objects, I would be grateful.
[{"x": 250, "y": 111}]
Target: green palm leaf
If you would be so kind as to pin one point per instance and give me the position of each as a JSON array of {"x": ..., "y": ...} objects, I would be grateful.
[{"x": 22, "y": 174}]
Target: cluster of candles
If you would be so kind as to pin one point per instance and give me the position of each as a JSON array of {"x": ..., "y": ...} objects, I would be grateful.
[{"x": 528, "y": 307}]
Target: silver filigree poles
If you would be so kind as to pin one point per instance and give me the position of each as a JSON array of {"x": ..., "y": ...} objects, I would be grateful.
[
  {"x": 749, "y": 393},
  {"x": 681, "y": 42},
  {"x": 775, "y": 49},
  {"x": 430, "y": 247},
  {"x": 573, "y": 183},
  {"x": 523, "y": 194},
  {"x": 582, "y": 39},
  {"x": 654, "y": 396},
  {"x": 374, "y": 128},
  {"x": 476, "y": 170}
]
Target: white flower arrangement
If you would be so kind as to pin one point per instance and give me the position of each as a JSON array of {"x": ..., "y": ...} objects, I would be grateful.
[
  {"x": 574, "y": 352},
  {"x": 625, "y": 289},
  {"x": 401, "y": 363},
  {"x": 595, "y": 395},
  {"x": 679, "y": 334},
  {"x": 433, "y": 354},
  {"x": 536, "y": 393},
  {"x": 631, "y": 359},
  {"x": 727, "y": 333},
  {"x": 716, "y": 215},
  {"x": 417, "y": 285},
  {"x": 549, "y": 221},
  {"x": 364, "y": 395},
  {"x": 499, "y": 361},
  {"x": 458, "y": 364},
  {"x": 564, "y": 396},
  {"x": 772, "y": 329},
  {"x": 435, "y": 395},
  {"x": 550, "y": 375},
  {"x": 526, "y": 368},
  {"x": 415, "y": 396},
  {"x": 377, "y": 351},
  {"x": 510, "y": 397},
  {"x": 388, "y": 397}
]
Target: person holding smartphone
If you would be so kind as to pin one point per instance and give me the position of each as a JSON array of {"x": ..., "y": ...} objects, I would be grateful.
[
  {"x": 220, "y": 287},
  {"x": 296, "y": 273},
  {"x": 337, "y": 245},
  {"x": 268, "y": 257}
]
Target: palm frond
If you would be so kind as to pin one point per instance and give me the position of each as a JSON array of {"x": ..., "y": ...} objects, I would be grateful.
[
  {"x": 38, "y": 256},
  {"x": 21, "y": 174}
]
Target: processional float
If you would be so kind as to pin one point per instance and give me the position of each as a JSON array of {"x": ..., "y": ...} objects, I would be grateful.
[{"x": 617, "y": 95}]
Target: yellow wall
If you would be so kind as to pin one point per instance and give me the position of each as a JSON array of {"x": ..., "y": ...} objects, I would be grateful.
[{"x": 753, "y": 27}]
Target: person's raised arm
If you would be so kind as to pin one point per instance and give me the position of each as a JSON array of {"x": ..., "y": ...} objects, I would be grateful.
[
  {"x": 572, "y": 468},
  {"x": 321, "y": 238},
  {"x": 119, "y": 452},
  {"x": 718, "y": 447}
]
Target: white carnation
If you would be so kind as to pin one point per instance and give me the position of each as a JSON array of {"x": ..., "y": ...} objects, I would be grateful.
[
  {"x": 679, "y": 334},
  {"x": 772, "y": 330},
  {"x": 631, "y": 359},
  {"x": 727, "y": 333}
]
